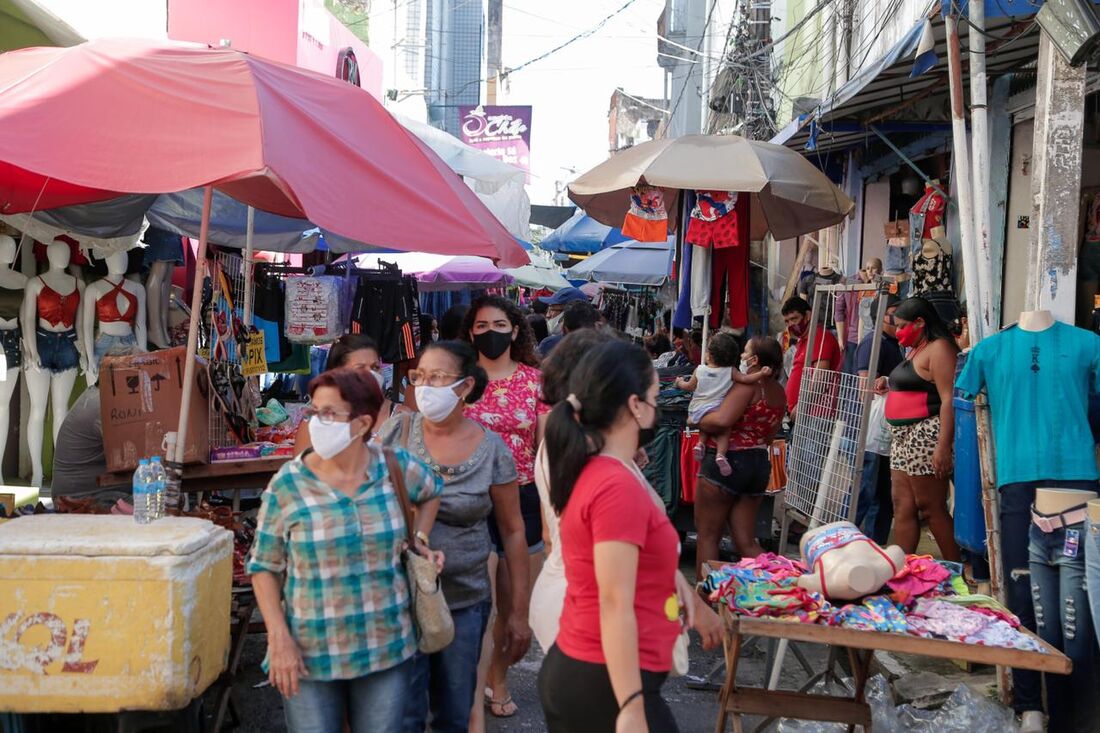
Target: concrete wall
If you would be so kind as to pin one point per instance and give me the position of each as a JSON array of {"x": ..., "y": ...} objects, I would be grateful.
[{"x": 876, "y": 212}]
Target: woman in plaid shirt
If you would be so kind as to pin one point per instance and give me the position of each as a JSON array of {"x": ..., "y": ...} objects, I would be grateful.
[{"x": 326, "y": 566}]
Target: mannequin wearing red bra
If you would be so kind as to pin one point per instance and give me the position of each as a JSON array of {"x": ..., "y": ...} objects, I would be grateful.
[
  {"x": 113, "y": 316},
  {"x": 52, "y": 347}
]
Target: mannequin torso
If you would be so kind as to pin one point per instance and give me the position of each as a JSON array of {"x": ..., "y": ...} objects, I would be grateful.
[
  {"x": 113, "y": 316},
  {"x": 1035, "y": 321}
]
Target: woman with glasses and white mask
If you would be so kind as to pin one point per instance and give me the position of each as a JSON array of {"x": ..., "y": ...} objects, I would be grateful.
[
  {"x": 479, "y": 478},
  {"x": 353, "y": 351},
  {"x": 326, "y": 566}
]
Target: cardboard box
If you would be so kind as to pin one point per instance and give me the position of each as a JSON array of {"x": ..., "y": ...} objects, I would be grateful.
[
  {"x": 140, "y": 398},
  {"x": 103, "y": 614}
]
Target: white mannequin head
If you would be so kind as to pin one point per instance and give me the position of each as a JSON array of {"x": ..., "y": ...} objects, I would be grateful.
[
  {"x": 7, "y": 249},
  {"x": 58, "y": 255},
  {"x": 117, "y": 263}
]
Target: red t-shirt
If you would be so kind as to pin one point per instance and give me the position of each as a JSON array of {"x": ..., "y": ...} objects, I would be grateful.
[
  {"x": 609, "y": 504},
  {"x": 825, "y": 348}
]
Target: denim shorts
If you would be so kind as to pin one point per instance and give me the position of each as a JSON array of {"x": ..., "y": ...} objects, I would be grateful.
[
  {"x": 162, "y": 246},
  {"x": 107, "y": 344},
  {"x": 57, "y": 350},
  {"x": 12, "y": 342}
]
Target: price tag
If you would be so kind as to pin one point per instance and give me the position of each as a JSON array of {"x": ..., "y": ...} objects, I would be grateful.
[{"x": 255, "y": 362}]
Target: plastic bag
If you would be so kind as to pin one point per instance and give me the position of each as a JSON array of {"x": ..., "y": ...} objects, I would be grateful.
[
  {"x": 964, "y": 712},
  {"x": 878, "y": 430}
]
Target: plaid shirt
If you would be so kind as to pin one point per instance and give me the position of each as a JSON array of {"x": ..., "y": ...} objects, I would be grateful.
[{"x": 345, "y": 593}]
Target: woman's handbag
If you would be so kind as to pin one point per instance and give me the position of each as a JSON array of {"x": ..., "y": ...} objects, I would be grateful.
[{"x": 435, "y": 628}]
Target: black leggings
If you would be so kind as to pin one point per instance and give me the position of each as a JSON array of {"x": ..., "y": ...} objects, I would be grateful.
[{"x": 577, "y": 697}]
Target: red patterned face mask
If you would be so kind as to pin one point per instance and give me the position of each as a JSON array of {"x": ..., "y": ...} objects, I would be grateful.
[{"x": 910, "y": 334}]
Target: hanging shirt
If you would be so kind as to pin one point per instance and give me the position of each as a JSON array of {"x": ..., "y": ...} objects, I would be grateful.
[
  {"x": 927, "y": 213},
  {"x": 826, "y": 349},
  {"x": 1038, "y": 386},
  {"x": 647, "y": 220}
]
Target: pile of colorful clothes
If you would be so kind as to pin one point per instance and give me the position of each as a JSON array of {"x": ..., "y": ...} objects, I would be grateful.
[{"x": 926, "y": 598}]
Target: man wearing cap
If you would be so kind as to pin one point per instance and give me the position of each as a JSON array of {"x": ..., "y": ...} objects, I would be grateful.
[{"x": 555, "y": 308}]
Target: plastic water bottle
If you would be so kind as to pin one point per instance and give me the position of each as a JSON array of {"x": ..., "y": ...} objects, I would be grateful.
[
  {"x": 158, "y": 480},
  {"x": 142, "y": 513}
]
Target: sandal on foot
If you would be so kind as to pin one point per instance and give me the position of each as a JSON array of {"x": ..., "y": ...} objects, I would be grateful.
[
  {"x": 724, "y": 466},
  {"x": 502, "y": 706},
  {"x": 698, "y": 452}
]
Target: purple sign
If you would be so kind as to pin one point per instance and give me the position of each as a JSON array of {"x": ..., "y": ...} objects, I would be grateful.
[{"x": 502, "y": 132}]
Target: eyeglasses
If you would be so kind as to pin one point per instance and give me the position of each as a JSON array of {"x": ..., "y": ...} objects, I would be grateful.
[
  {"x": 326, "y": 415},
  {"x": 421, "y": 378}
]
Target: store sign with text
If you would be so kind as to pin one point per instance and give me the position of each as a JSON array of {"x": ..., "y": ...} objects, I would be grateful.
[{"x": 503, "y": 132}]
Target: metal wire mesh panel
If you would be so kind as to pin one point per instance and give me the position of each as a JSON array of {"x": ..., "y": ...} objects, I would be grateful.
[
  {"x": 825, "y": 458},
  {"x": 226, "y": 308}
]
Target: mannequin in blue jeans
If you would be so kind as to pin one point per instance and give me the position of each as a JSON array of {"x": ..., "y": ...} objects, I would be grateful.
[
  {"x": 1061, "y": 604},
  {"x": 1015, "y": 513}
]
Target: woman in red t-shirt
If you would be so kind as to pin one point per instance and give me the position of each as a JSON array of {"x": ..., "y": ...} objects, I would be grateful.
[{"x": 621, "y": 615}]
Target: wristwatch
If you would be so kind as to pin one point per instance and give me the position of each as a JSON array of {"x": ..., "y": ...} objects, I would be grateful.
[{"x": 422, "y": 537}]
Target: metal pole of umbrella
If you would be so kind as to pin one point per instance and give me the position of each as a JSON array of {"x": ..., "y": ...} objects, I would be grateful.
[
  {"x": 248, "y": 255},
  {"x": 193, "y": 327}
]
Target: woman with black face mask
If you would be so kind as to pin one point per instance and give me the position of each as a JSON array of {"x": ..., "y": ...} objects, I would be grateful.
[{"x": 511, "y": 408}]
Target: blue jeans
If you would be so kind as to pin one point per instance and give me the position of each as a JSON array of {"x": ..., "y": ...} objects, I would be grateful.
[
  {"x": 1091, "y": 542},
  {"x": 374, "y": 702},
  {"x": 1015, "y": 511},
  {"x": 875, "y": 510},
  {"x": 446, "y": 682},
  {"x": 1062, "y": 618}
]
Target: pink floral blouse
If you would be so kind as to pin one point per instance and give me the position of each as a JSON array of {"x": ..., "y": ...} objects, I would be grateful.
[{"x": 510, "y": 408}]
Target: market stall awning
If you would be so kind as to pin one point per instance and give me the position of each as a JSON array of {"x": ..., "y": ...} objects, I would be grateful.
[
  {"x": 542, "y": 274},
  {"x": 170, "y": 117},
  {"x": 438, "y": 273},
  {"x": 628, "y": 263},
  {"x": 902, "y": 91},
  {"x": 582, "y": 234}
]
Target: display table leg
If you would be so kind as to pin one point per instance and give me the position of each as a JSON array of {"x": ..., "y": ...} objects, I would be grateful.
[
  {"x": 732, "y": 645},
  {"x": 224, "y": 702}
]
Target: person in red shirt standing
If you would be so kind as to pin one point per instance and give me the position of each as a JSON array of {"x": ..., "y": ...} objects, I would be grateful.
[
  {"x": 827, "y": 352},
  {"x": 623, "y": 602}
]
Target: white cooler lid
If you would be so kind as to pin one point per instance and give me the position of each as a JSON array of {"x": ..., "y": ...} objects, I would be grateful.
[{"x": 104, "y": 535}]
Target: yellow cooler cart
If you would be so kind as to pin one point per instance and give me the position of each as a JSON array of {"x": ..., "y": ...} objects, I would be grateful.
[{"x": 100, "y": 614}]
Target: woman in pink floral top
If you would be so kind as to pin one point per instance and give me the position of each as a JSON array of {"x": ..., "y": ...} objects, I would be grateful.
[{"x": 512, "y": 409}]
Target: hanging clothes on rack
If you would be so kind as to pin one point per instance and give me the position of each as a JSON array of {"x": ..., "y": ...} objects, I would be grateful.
[
  {"x": 647, "y": 220},
  {"x": 386, "y": 307}
]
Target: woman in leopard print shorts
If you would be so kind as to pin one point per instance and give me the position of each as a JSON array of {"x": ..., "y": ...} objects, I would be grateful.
[{"x": 922, "y": 421}]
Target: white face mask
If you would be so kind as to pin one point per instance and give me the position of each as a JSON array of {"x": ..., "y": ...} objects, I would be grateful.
[
  {"x": 380, "y": 379},
  {"x": 553, "y": 325},
  {"x": 437, "y": 403},
  {"x": 329, "y": 440}
]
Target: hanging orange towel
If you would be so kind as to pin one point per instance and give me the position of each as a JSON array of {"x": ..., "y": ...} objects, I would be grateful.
[{"x": 647, "y": 220}]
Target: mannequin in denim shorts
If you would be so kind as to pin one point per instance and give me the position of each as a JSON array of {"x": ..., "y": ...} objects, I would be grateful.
[
  {"x": 112, "y": 316},
  {"x": 52, "y": 352}
]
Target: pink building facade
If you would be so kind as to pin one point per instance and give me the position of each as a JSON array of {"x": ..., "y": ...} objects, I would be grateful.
[{"x": 297, "y": 32}]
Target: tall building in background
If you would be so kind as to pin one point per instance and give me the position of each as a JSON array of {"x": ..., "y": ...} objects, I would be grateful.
[{"x": 434, "y": 52}]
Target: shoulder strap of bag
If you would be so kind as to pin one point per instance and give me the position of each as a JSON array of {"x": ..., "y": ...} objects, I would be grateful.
[
  {"x": 397, "y": 477},
  {"x": 406, "y": 425}
]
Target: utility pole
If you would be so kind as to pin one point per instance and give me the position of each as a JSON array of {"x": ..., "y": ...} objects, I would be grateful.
[
  {"x": 1055, "y": 183},
  {"x": 979, "y": 136},
  {"x": 494, "y": 35}
]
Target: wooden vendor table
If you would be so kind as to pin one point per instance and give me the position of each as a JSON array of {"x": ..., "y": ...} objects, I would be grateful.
[
  {"x": 222, "y": 476},
  {"x": 860, "y": 647}
]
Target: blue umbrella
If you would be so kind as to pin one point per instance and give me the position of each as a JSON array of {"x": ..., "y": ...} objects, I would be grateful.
[
  {"x": 582, "y": 235},
  {"x": 628, "y": 263}
]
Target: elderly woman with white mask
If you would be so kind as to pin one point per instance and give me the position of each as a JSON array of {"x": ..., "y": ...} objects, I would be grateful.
[{"x": 479, "y": 476}]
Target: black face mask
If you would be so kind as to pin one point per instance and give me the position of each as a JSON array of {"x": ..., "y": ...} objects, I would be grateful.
[
  {"x": 648, "y": 435},
  {"x": 492, "y": 344}
]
